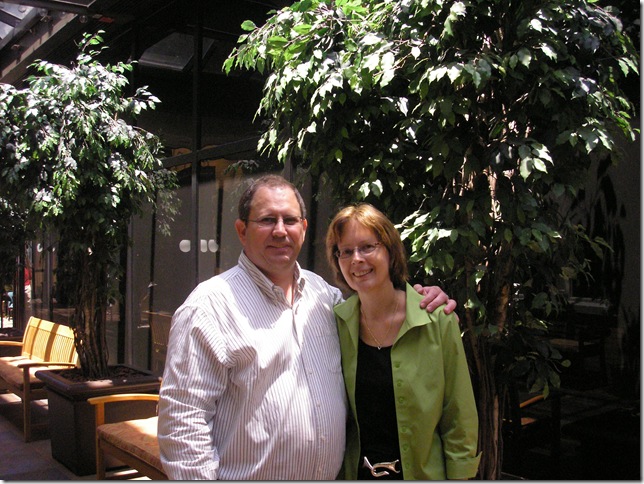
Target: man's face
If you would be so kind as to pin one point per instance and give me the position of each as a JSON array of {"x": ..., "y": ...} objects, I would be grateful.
[{"x": 273, "y": 247}]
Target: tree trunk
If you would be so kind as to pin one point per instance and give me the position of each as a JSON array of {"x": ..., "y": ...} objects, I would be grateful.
[
  {"x": 89, "y": 317},
  {"x": 477, "y": 343},
  {"x": 488, "y": 402}
]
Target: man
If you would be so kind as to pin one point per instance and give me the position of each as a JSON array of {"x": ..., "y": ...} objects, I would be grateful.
[{"x": 252, "y": 387}]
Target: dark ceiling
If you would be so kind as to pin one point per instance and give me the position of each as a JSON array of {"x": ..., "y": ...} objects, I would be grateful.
[
  {"x": 158, "y": 35},
  {"x": 50, "y": 29}
]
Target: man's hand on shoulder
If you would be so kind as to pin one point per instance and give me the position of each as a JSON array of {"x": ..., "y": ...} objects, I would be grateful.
[{"x": 435, "y": 297}]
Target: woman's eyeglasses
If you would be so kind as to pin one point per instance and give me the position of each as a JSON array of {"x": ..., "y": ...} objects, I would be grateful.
[{"x": 365, "y": 249}]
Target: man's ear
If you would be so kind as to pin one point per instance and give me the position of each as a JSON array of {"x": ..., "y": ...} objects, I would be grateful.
[{"x": 240, "y": 227}]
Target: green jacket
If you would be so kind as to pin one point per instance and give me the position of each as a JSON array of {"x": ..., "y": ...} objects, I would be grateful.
[{"x": 435, "y": 407}]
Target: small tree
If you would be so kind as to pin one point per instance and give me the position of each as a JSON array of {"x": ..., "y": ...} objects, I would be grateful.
[
  {"x": 74, "y": 166},
  {"x": 469, "y": 122}
]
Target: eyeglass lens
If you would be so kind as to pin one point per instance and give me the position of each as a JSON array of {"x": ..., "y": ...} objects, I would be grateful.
[
  {"x": 365, "y": 249},
  {"x": 272, "y": 221}
]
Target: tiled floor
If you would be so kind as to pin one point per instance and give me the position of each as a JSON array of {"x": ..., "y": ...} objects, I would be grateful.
[
  {"x": 31, "y": 461},
  {"x": 20, "y": 460},
  {"x": 28, "y": 460}
]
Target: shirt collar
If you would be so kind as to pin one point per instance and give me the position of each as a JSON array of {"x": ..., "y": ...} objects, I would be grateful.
[{"x": 272, "y": 291}]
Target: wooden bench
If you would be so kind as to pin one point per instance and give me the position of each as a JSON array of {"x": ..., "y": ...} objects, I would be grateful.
[
  {"x": 133, "y": 442},
  {"x": 44, "y": 345}
]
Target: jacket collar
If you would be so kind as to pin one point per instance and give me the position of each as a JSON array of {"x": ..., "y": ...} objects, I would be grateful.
[{"x": 348, "y": 313}]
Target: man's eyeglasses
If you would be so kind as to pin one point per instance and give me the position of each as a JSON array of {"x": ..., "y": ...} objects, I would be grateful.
[
  {"x": 365, "y": 249},
  {"x": 272, "y": 221}
]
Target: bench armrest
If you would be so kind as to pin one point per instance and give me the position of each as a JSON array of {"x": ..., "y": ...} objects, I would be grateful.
[
  {"x": 532, "y": 401},
  {"x": 101, "y": 401},
  {"x": 120, "y": 397},
  {"x": 10, "y": 343}
]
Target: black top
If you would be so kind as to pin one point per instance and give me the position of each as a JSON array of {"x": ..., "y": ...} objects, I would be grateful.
[{"x": 376, "y": 408}]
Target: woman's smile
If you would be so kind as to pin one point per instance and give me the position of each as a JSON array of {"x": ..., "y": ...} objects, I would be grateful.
[{"x": 361, "y": 273}]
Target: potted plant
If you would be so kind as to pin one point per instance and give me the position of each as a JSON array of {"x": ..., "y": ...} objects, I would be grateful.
[
  {"x": 71, "y": 160},
  {"x": 473, "y": 124}
]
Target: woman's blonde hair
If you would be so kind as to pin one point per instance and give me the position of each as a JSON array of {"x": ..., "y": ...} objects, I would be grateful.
[{"x": 371, "y": 218}]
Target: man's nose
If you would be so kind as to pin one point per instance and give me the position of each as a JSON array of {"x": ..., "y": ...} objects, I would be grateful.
[{"x": 279, "y": 226}]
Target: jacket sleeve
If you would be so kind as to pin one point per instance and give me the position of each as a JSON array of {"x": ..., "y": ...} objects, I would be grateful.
[{"x": 459, "y": 422}]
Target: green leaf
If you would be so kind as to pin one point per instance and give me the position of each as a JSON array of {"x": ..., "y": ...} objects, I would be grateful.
[
  {"x": 248, "y": 25},
  {"x": 376, "y": 188},
  {"x": 549, "y": 51},
  {"x": 525, "y": 57},
  {"x": 302, "y": 29},
  {"x": 535, "y": 24},
  {"x": 276, "y": 43}
]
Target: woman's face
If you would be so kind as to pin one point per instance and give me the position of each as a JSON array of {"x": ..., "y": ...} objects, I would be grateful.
[{"x": 365, "y": 261}]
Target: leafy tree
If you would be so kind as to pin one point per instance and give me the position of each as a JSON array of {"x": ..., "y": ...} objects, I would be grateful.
[
  {"x": 471, "y": 123},
  {"x": 71, "y": 165}
]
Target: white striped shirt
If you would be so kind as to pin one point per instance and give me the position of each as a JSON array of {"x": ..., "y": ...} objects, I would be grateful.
[{"x": 252, "y": 387}]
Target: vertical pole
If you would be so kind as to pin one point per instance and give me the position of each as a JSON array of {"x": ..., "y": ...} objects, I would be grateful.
[
  {"x": 19, "y": 295},
  {"x": 196, "y": 145},
  {"x": 313, "y": 226}
]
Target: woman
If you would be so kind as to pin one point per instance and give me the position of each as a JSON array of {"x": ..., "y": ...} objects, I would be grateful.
[{"x": 407, "y": 379}]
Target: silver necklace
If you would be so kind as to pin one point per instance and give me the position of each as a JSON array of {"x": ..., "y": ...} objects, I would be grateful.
[{"x": 391, "y": 321}]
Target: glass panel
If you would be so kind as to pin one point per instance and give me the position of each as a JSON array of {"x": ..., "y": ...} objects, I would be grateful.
[
  {"x": 161, "y": 265},
  {"x": 45, "y": 298},
  {"x": 159, "y": 275},
  {"x": 219, "y": 194},
  {"x": 42, "y": 287}
]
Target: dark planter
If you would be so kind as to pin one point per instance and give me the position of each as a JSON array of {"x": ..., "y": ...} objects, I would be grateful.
[{"x": 72, "y": 427}]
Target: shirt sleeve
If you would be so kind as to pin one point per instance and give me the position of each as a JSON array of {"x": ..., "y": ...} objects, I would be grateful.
[
  {"x": 194, "y": 378},
  {"x": 459, "y": 422}
]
